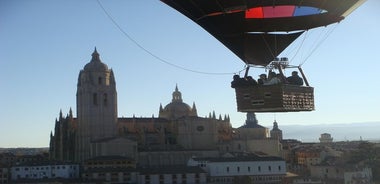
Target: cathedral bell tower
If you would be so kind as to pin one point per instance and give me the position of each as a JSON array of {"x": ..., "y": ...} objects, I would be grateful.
[{"x": 96, "y": 106}]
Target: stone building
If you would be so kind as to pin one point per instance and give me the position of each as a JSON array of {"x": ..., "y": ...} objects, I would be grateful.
[
  {"x": 173, "y": 137},
  {"x": 326, "y": 138},
  {"x": 276, "y": 133},
  {"x": 252, "y": 137}
]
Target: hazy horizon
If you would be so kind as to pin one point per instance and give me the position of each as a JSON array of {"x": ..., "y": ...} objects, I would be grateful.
[{"x": 368, "y": 131}]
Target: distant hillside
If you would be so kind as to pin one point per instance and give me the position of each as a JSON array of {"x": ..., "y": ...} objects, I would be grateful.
[
  {"x": 24, "y": 151},
  {"x": 340, "y": 132}
]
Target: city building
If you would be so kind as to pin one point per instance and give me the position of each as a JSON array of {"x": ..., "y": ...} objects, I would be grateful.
[
  {"x": 276, "y": 133},
  {"x": 4, "y": 174},
  {"x": 326, "y": 138},
  {"x": 358, "y": 176},
  {"x": 44, "y": 170},
  {"x": 231, "y": 169},
  {"x": 118, "y": 169},
  {"x": 173, "y": 174},
  {"x": 308, "y": 156},
  {"x": 170, "y": 139}
]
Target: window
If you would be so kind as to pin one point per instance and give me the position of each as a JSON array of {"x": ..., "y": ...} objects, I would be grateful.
[
  {"x": 95, "y": 98},
  {"x": 228, "y": 169},
  {"x": 279, "y": 168},
  {"x": 259, "y": 168},
  {"x": 105, "y": 99},
  {"x": 99, "y": 80},
  {"x": 269, "y": 168},
  {"x": 238, "y": 169},
  {"x": 249, "y": 169}
]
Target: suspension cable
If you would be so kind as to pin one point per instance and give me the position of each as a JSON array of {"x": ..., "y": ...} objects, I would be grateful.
[
  {"x": 328, "y": 33},
  {"x": 151, "y": 53}
]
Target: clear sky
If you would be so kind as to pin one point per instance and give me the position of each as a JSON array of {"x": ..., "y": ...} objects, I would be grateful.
[{"x": 44, "y": 44}]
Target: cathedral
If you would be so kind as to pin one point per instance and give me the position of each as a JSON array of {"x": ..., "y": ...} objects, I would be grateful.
[{"x": 177, "y": 134}]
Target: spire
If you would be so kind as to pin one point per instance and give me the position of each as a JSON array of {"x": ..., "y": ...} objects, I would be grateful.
[
  {"x": 161, "y": 109},
  {"x": 95, "y": 56},
  {"x": 251, "y": 118},
  {"x": 194, "y": 110},
  {"x": 70, "y": 113},
  {"x": 60, "y": 115},
  {"x": 251, "y": 121},
  {"x": 177, "y": 96},
  {"x": 275, "y": 126}
]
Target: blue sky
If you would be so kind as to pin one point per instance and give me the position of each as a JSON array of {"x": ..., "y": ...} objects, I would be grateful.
[{"x": 44, "y": 44}]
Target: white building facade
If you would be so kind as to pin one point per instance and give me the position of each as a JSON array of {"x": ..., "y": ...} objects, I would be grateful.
[
  {"x": 45, "y": 171},
  {"x": 256, "y": 169}
]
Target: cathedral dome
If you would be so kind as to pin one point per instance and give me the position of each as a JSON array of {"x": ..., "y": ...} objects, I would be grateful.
[
  {"x": 177, "y": 108},
  {"x": 95, "y": 64}
]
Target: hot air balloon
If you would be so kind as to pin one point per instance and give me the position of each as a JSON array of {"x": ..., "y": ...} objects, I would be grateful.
[{"x": 257, "y": 31}]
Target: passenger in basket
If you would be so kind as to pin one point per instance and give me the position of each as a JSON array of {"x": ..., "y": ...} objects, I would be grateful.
[
  {"x": 263, "y": 79},
  {"x": 251, "y": 81},
  {"x": 243, "y": 82},
  {"x": 272, "y": 79},
  {"x": 295, "y": 79}
]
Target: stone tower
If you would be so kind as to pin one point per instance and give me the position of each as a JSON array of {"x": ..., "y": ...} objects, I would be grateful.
[
  {"x": 96, "y": 106},
  {"x": 276, "y": 133}
]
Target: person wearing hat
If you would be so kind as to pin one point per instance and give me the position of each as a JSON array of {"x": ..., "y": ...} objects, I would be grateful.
[
  {"x": 295, "y": 79},
  {"x": 262, "y": 79}
]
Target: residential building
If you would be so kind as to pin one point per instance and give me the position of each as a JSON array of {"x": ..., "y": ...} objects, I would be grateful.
[
  {"x": 173, "y": 174},
  {"x": 4, "y": 174},
  {"x": 229, "y": 169},
  {"x": 358, "y": 176},
  {"x": 45, "y": 170}
]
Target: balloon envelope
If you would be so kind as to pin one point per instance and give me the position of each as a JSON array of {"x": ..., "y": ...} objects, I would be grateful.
[{"x": 257, "y": 31}]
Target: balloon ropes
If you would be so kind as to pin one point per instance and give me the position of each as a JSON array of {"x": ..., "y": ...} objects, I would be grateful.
[{"x": 257, "y": 31}]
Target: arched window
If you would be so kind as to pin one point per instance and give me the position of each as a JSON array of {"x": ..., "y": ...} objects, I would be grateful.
[
  {"x": 95, "y": 98},
  {"x": 105, "y": 99},
  {"x": 100, "y": 80}
]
